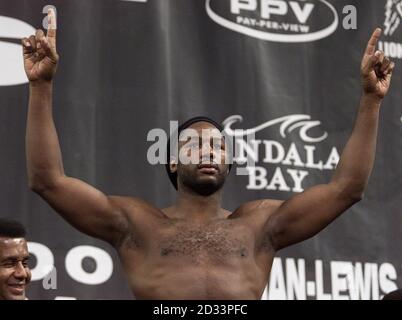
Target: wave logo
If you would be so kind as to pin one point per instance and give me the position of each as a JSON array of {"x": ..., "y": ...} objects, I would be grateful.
[
  {"x": 276, "y": 20},
  {"x": 302, "y": 122},
  {"x": 11, "y": 61}
]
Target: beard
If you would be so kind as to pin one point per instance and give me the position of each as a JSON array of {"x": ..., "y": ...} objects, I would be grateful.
[{"x": 203, "y": 186}]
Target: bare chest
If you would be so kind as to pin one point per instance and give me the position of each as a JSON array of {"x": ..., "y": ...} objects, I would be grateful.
[{"x": 221, "y": 239}]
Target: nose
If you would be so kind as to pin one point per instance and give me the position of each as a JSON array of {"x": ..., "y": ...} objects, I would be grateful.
[
  {"x": 20, "y": 272},
  {"x": 207, "y": 151}
]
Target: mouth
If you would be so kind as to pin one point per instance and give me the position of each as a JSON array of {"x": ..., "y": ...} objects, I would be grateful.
[
  {"x": 208, "y": 168},
  {"x": 17, "y": 289}
]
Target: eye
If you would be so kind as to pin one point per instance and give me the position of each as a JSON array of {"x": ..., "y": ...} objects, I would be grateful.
[
  {"x": 218, "y": 146},
  {"x": 8, "y": 264},
  {"x": 192, "y": 145}
]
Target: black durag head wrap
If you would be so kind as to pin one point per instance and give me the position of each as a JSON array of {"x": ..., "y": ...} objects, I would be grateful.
[{"x": 183, "y": 126}]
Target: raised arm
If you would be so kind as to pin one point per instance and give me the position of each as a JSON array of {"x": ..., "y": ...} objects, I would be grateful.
[
  {"x": 306, "y": 214},
  {"x": 86, "y": 208}
]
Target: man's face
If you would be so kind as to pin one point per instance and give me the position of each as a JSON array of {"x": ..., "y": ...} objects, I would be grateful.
[
  {"x": 14, "y": 271},
  {"x": 202, "y": 154}
]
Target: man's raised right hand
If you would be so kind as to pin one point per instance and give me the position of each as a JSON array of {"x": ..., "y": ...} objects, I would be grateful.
[{"x": 40, "y": 55}]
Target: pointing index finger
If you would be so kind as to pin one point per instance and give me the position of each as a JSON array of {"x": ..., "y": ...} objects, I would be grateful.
[
  {"x": 372, "y": 44},
  {"x": 52, "y": 26}
]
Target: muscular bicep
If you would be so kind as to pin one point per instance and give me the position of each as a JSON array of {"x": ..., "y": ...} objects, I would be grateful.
[
  {"x": 306, "y": 214},
  {"x": 86, "y": 208}
]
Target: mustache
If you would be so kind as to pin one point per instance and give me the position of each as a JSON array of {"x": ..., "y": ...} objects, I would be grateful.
[
  {"x": 208, "y": 165},
  {"x": 208, "y": 161}
]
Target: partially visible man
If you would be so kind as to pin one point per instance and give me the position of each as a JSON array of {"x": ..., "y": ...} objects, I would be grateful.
[
  {"x": 15, "y": 274},
  {"x": 394, "y": 295}
]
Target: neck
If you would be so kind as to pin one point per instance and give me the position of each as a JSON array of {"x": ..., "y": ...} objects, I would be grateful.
[{"x": 190, "y": 205}]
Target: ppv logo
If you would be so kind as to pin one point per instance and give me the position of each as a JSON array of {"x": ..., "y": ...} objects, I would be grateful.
[
  {"x": 11, "y": 62},
  {"x": 276, "y": 20}
]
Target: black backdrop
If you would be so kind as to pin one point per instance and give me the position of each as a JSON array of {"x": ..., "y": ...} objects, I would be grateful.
[{"x": 130, "y": 66}]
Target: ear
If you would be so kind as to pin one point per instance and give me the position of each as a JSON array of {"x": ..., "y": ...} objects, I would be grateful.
[{"x": 173, "y": 165}]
